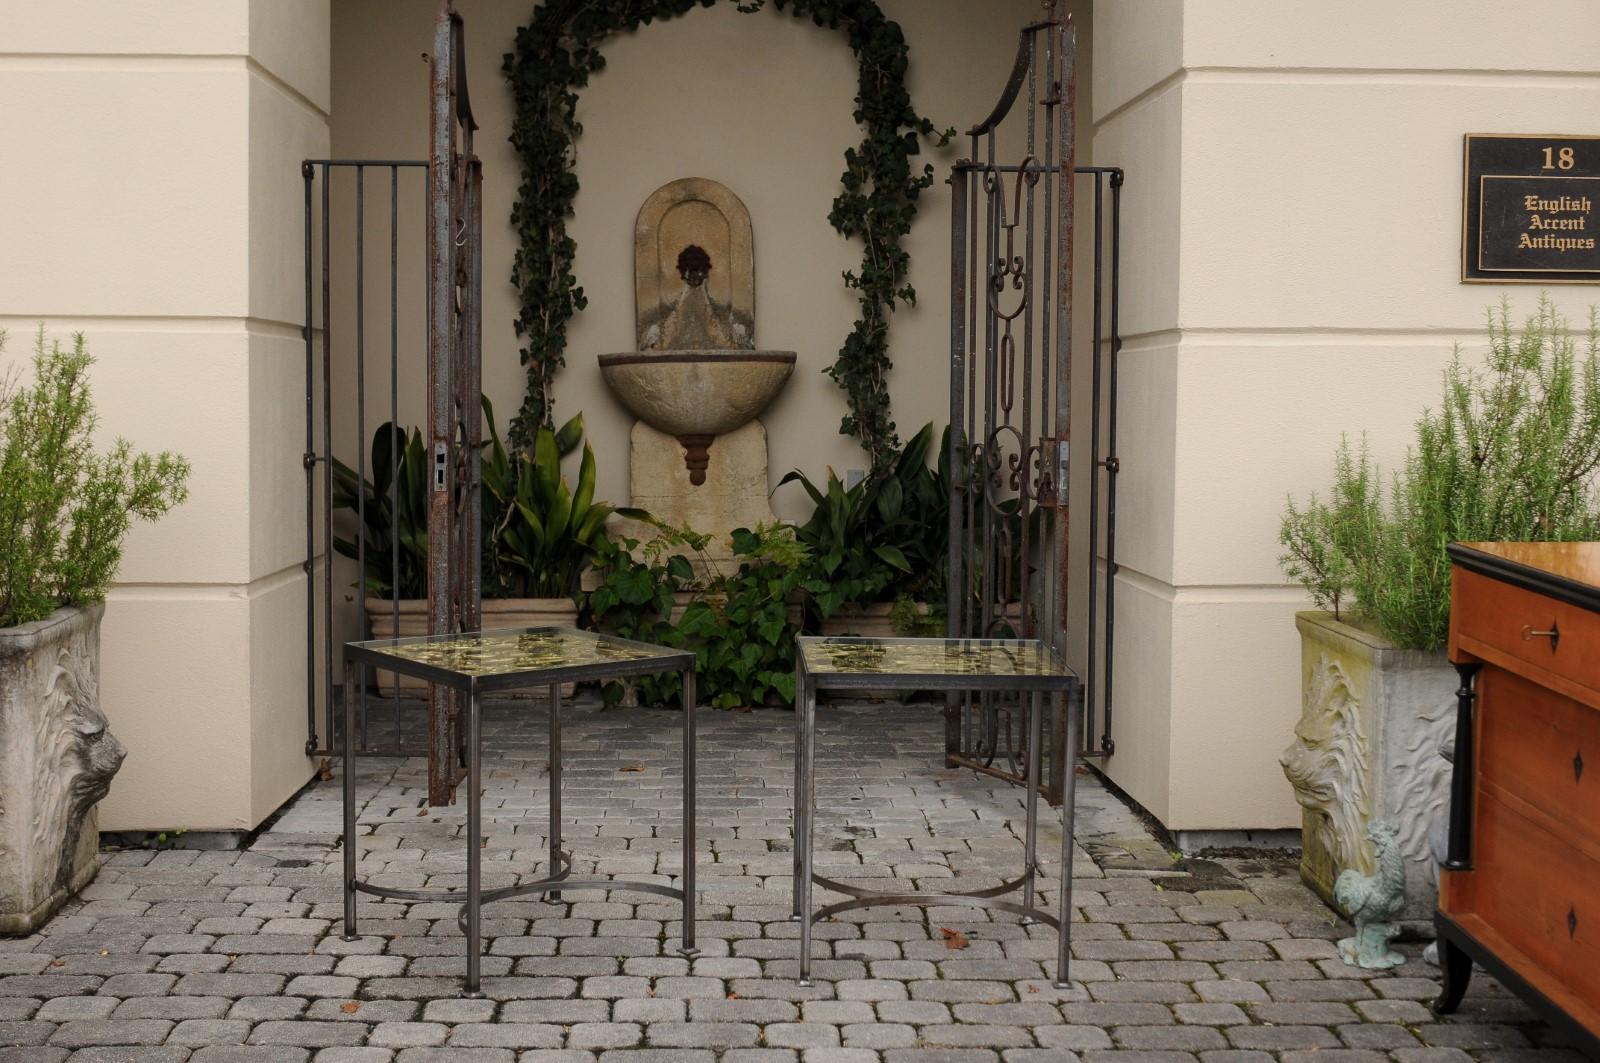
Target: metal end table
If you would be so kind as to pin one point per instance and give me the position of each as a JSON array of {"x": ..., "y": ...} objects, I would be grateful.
[
  {"x": 954, "y": 665},
  {"x": 479, "y": 663}
]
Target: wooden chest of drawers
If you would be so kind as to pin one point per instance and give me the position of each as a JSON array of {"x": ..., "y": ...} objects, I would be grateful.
[{"x": 1520, "y": 892}]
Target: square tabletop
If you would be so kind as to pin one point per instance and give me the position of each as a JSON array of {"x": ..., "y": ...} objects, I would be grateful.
[
  {"x": 934, "y": 664},
  {"x": 517, "y": 657}
]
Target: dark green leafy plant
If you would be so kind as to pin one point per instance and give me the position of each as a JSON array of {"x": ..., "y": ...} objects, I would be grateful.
[
  {"x": 395, "y": 512},
  {"x": 636, "y": 592},
  {"x": 886, "y": 536},
  {"x": 1510, "y": 454},
  {"x": 741, "y": 632},
  {"x": 917, "y": 619},
  {"x": 540, "y": 532},
  {"x": 65, "y": 509},
  {"x": 554, "y": 57}
]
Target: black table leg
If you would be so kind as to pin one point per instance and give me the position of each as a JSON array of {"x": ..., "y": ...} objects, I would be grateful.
[
  {"x": 348, "y": 745},
  {"x": 474, "y": 845},
  {"x": 688, "y": 945}
]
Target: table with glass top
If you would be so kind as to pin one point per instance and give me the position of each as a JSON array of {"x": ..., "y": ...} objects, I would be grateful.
[
  {"x": 953, "y": 665},
  {"x": 487, "y": 662}
]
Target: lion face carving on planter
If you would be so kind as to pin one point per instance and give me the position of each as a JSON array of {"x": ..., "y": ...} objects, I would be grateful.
[
  {"x": 79, "y": 741},
  {"x": 57, "y": 760},
  {"x": 1327, "y": 766}
]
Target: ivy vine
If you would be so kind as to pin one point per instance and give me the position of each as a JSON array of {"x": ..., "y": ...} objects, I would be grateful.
[{"x": 554, "y": 57}]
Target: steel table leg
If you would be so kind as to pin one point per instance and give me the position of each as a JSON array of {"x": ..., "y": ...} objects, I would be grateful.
[
  {"x": 348, "y": 746},
  {"x": 688, "y": 945},
  {"x": 474, "y": 844},
  {"x": 805, "y": 799},
  {"x": 796, "y": 821},
  {"x": 1069, "y": 787},
  {"x": 555, "y": 788},
  {"x": 1030, "y": 841}
]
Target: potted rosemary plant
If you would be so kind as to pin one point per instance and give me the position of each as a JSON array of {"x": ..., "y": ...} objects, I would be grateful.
[
  {"x": 65, "y": 510},
  {"x": 1510, "y": 453}
]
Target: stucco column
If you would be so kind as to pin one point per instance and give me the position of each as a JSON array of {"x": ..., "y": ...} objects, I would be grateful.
[
  {"x": 153, "y": 196},
  {"x": 1291, "y": 273}
]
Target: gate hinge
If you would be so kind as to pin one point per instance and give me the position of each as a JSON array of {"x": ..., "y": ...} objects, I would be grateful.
[
  {"x": 1113, "y": 464},
  {"x": 309, "y": 460}
]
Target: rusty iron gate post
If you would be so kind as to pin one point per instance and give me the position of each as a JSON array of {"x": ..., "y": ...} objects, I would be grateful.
[
  {"x": 455, "y": 240},
  {"x": 1011, "y": 345}
]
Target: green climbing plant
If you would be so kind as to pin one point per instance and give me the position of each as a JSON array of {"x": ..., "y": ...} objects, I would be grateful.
[{"x": 554, "y": 57}]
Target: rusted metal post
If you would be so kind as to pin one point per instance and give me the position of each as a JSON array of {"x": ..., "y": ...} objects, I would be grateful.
[{"x": 454, "y": 371}]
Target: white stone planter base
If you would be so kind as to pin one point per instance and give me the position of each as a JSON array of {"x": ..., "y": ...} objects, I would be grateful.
[
  {"x": 1373, "y": 719},
  {"x": 57, "y": 759}
]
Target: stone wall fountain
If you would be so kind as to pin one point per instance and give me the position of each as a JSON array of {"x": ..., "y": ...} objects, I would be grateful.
[{"x": 697, "y": 383}]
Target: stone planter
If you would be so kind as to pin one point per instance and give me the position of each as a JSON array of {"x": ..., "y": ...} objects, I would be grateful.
[
  {"x": 1372, "y": 721},
  {"x": 497, "y": 613},
  {"x": 57, "y": 759},
  {"x": 865, "y": 621}
]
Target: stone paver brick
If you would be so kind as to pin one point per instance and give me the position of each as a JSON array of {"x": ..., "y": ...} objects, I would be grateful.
[
  {"x": 81, "y": 1032},
  {"x": 225, "y": 957}
]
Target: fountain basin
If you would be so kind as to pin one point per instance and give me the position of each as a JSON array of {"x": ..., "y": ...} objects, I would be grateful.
[{"x": 697, "y": 393}]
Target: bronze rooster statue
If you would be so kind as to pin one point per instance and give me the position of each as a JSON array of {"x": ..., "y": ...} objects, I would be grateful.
[{"x": 1372, "y": 900}]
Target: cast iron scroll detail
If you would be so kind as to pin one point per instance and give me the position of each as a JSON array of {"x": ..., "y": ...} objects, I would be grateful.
[{"x": 1010, "y": 395}]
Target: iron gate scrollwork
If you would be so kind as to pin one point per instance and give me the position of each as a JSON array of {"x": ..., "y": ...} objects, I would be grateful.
[{"x": 1011, "y": 340}]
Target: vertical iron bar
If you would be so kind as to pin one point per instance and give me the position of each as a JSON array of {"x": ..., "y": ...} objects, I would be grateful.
[
  {"x": 1094, "y": 477},
  {"x": 1047, "y": 427},
  {"x": 1113, "y": 470},
  {"x": 394, "y": 426},
  {"x": 1030, "y": 837},
  {"x": 327, "y": 450},
  {"x": 1065, "y": 272},
  {"x": 806, "y": 799},
  {"x": 361, "y": 423},
  {"x": 1026, "y": 500},
  {"x": 474, "y": 842},
  {"x": 1069, "y": 791},
  {"x": 796, "y": 817},
  {"x": 441, "y": 322},
  {"x": 971, "y": 574},
  {"x": 348, "y": 791},
  {"x": 687, "y": 936},
  {"x": 555, "y": 790},
  {"x": 471, "y": 401},
  {"x": 308, "y": 459},
  {"x": 957, "y": 442}
]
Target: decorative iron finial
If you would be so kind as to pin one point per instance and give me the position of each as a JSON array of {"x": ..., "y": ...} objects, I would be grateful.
[{"x": 1050, "y": 12}]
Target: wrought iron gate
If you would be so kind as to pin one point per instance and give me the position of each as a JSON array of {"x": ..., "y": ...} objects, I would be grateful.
[
  {"x": 453, "y": 239},
  {"x": 1011, "y": 343}
]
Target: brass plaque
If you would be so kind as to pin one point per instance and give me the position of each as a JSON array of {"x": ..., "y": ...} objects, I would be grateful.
[{"x": 1529, "y": 209}]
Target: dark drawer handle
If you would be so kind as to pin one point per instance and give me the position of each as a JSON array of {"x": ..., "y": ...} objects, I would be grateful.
[
  {"x": 1572, "y": 922},
  {"x": 1554, "y": 634}
]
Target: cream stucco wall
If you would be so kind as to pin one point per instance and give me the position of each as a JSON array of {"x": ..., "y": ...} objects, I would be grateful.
[
  {"x": 1290, "y": 257},
  {"x": 153, "y": 157},
  {"x": 759, "y": 102},
  {"x": 1292, "y": 267}
]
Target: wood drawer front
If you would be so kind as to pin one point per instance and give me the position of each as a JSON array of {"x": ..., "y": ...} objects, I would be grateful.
[
  {"x": 1539, "y": 891},
  {"x": 1542, "y": 747},
  {"x": 1503, "y": 620}
]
